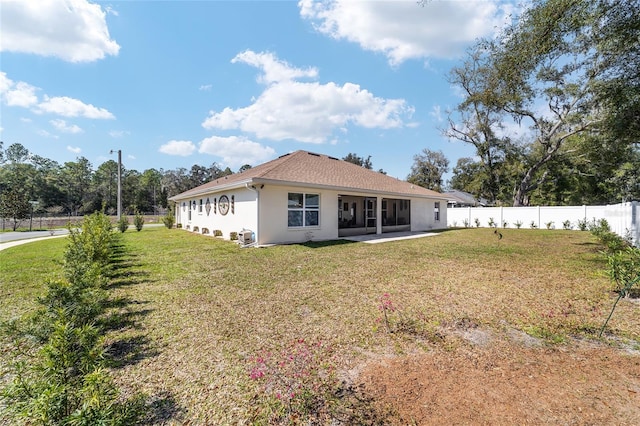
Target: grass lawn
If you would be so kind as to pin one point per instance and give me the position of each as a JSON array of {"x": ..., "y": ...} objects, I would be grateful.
[{"x": 200, "y": 308}]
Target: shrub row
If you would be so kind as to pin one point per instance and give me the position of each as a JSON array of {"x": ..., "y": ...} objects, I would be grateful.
[
  {"x": 623, "y": 262},
  {"x": 58, "y": 375},
  {"x": 581, "y": 224}
]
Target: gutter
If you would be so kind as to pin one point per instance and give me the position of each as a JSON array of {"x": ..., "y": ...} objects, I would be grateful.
[{"x": 254, "y": 189}]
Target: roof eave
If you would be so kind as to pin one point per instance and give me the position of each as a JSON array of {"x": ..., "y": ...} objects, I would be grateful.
[
  {"x": 344, "y": 188},
  {"x": 219, "y": 188}
]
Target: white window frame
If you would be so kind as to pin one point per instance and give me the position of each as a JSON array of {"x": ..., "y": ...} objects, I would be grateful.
[
  {"x": 436, "y": 211},
  {"x": 304, "y": 209}
]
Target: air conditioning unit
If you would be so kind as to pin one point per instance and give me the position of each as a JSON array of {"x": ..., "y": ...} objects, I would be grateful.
[{"x": 245, "y": 237}]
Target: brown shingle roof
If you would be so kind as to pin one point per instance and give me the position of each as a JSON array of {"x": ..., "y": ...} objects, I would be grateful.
[{"x": 315, "y": 170}]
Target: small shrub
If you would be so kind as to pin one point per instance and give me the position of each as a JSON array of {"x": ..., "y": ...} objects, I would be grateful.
[
  {"x": 454, "y": 224},
  {"x": 205, "y": 230},
  {"x": 465, "y": 223},
  {"x": 196, "y": 229},
  {"x": 179, "y": 226},
  {"x": 533, "y": 225},
  {"x": 386, "y": 305},
  {"x": 123, "y": 224},
  {"x": 505, "y": 223},
  {"x": 168, "y": 220},
  {"x": 623, "y": 267},
  {"x": 624, "y": 270},
  {"x": 582, "y": 224},
  {"x": 518, "y": 224},
  {"x": 138, "y": 221},
  {"x": 233, "y": 236},
  {"x": 550, "y": 225},
  {"x": 477, "y": 222},
  {"x": 599, "y": 227},
  {"x": 217, "y": 233},
  {"x": 188, "y": 227},
  {"x": 492, "y": 223},
  {"x": 566, "y": 225}
]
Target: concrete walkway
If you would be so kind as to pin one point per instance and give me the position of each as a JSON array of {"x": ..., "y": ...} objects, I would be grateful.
[
  {"x": 27, "y": 235},
  {"x": 392, "y": 236},
  {"x": 8, "y": 244}
]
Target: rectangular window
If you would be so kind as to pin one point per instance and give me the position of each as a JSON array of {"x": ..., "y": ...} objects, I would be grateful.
[
  {"x": 200, "y": 206},
  {"x": 303, "y": 210},
  {"x": 436, "y": 211}
]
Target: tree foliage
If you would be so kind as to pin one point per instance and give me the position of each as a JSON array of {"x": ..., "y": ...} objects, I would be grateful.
[
  {"x": 75, "y": 187},
  {"x": 360, "y": 161},
  {"x": 428, "y": 168},
  {"x": 563, "y": 75},
  {"x": 14, "y": 205}
]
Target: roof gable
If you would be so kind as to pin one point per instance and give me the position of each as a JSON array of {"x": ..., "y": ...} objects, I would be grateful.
[{"x": 303, "y": 167}]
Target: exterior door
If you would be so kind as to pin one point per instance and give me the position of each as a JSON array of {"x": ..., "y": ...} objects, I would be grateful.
[{"x": 370, "y": 215}]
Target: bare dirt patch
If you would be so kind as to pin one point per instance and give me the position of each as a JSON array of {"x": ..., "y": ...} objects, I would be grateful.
[{"x": 502, "y": 381}]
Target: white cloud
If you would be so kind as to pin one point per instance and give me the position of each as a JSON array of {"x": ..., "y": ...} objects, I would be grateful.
[
  {"x": 306, "y": 111},
  {"x": 236, "y": 151},
  {"x": 118, "y": 133},
  {"x": 72, "y": 30},
  {"x": 70, "y": 107},
  {"x": 25, "y": 120},
  {"x": 75, "y": 150},
  {"x": 205, "y": 87},
  {"x": 17, "y": 94},
  {"x": 131, "y": 157},
  {"x": 436, "y": 113},
  {"x": 62, "y": 126},
  {"x": 46, "y": 134},
  {"x": 403, "y": 30},
  {"x": 5, "y": 82},
  {"x": 274, "y": 70},
  {"x": 24, "y": 95},
  {"x": 181, "y": 148}
]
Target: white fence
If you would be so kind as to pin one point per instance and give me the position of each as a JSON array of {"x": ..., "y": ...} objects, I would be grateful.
[{"x": 624, "y": 218}]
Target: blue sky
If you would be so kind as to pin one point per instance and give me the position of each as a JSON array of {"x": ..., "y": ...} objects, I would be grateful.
[{"x": 177, "y": 83}]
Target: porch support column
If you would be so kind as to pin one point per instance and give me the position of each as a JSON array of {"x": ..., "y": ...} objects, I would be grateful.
[{"x": 378, "y": 215}]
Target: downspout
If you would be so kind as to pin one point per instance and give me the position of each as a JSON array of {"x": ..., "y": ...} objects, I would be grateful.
[{"x": 254, "y": 189}]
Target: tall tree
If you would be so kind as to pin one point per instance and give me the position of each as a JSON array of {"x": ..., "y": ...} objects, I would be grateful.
[
  {"x": 149, "y": 194},
  {"x": 14, "y": 205},
  {"x": 550, "y": 72},
  {"x": 16, "y": 153},
  {"x": 75, "y": 180},
  {"x": 428, "y": 168},
  {"x": 479, "y": 123},
  {"x": 360, "y": 161},
  {"x": 105, "y": 187}
]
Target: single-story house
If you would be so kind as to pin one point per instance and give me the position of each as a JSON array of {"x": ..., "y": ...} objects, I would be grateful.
[
  {"x": 303, "y": 196},
  {"x": 463, "y": 199}
]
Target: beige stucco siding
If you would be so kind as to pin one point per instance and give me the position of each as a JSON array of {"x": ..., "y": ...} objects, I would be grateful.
[
  {"x": 242, "y": 215},
  {"x": 423, "y": 214},
  {"x": 274, "y": 216}
]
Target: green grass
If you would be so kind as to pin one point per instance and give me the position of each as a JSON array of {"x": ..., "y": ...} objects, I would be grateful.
[
  {"x": 23, "y": 270},
  {"x": 200, "y": 307}
]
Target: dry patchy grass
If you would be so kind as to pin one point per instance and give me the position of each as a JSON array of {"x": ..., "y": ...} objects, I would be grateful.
[{"x": 200, "y": 307}]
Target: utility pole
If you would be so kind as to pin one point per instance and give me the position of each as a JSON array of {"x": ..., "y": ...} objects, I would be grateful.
[{"x": 119, "y": 182}]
